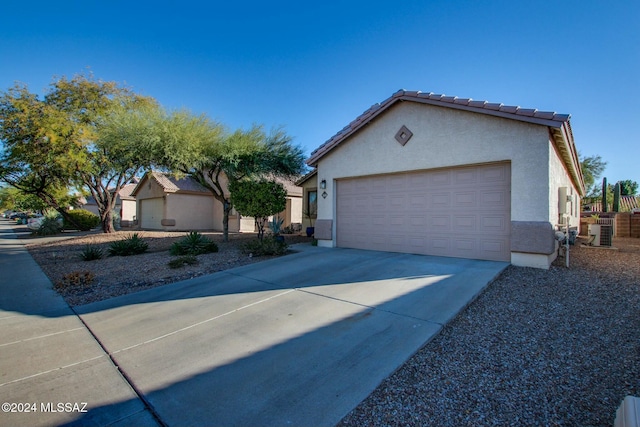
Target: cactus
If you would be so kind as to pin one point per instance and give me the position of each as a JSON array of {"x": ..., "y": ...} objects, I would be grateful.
[
  {"x": 604, "y": 195},
  {"x": 616, "y": 197}
]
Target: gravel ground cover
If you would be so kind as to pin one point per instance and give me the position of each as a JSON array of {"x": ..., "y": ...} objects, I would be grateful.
[
  {"x": 117, "y": 275},
  {"x": 536, "y": 348}
]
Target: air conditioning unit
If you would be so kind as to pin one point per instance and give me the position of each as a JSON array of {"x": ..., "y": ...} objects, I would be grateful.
[{"x": 600, "y": 235}]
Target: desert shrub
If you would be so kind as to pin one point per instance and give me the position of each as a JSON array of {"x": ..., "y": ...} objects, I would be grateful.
[
  {"x": 289, "y": 229},
  {"x": 86, "y": 220},
  {"x": 268, "y": 246},
  {"x": 131, "y": 245},
  {"x": 193, "y": 243},
  {"x": 182, "y": 261},
  {"x": 91, "y": 252},
  {"x": 49, "y": 225},
  {"x": 75, "y": 279}
]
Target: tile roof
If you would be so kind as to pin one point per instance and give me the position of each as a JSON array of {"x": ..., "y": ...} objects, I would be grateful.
[
  {"x": 172, "y": 184},
  {"x": 559, "y": 124},
  {"x": 306, "y": 177},
  {"x": 126, "y": 190}
]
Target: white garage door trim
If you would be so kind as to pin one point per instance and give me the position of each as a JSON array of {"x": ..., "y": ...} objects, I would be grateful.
[
  {"x": 460, "y": 212},
  {"x": 152, "y": 213}
]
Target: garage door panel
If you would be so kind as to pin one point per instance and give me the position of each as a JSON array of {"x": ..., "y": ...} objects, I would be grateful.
[
  {"x": 439, "y": 178},
  {"x": 440, "y": 201},
  {"x": 417, "y": 201},
  {"x": 440, "y": 222},
  {"x": 379, "y": 202},
  {"x": 493, "y": 199},
  {"x": 465, "y": 199},
  {"x": 492, "y": 174},
  {"x": 465, "y": 223},
  {"x": 378, "y": 220},
  {"x": 467, "y": 246},
  {"x": 152, "y": 213},
  {"x": 461, "y": 212},
  {"x": 464, "y": 177},
  {"x": 497, "y": 224},
  {"x": 417, "y": 222},
  {"x": 397, "y": 201}
]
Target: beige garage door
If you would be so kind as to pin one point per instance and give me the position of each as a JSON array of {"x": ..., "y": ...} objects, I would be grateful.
[
  {"x": 151, "y": 215},
  {"x": 458, "y": 212}
]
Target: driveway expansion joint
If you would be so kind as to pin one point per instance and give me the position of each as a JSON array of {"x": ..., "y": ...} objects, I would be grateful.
[
  {"x": 373, "y": 307},
  {"x": 148, "y": 406}
]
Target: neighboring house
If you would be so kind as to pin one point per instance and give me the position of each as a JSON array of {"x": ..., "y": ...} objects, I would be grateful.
[
  {"x": 125, "y": 204},
  {"x": 439, "y": 175},
  {"x": 293, "y": 212},
  {"x": 167, "y": 203},
  {"x": 128, "y": 207}
]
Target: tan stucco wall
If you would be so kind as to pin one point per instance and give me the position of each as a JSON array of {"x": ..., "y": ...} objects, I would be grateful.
[
  {"x": 292, "y": 212},
  {"x": 128, "y": 210},
  {"x": 558, "y": 177},
  {"x": 149, "y": 190},
  {"x": 444, "y": 137},
  {"x": 190, "y": 211}
]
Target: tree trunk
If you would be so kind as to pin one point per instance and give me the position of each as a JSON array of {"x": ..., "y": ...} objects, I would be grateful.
[
  {"x": 107, "y": 222},
  {"x": 225, "y": 220}
]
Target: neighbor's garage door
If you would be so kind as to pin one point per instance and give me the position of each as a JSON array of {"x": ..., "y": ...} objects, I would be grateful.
[
  {"x": 459, "y": 212},
  {"x": 151, "y": 215}
]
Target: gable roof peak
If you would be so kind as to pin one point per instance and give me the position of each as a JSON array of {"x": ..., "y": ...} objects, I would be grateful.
[{"x": 513, "y": 112}]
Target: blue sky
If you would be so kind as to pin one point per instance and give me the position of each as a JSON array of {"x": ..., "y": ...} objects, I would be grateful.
[{"x": 313, "y": 67}]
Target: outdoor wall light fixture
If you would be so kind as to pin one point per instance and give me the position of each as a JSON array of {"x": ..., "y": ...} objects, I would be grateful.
[{"x": 323, "y": 184}]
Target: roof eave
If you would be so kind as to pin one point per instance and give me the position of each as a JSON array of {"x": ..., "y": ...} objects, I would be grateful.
[
  {"x": 525, "y": 115},
  {"x": 563, "y": 138}
]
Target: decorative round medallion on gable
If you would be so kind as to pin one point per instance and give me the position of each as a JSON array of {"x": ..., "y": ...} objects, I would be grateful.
[{"x": 403, "y": 135}]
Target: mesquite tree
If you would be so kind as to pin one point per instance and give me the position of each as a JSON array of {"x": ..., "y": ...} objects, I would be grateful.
[
  {"x": 74, "y": 137},
  {"x": 202, "y": 149}
]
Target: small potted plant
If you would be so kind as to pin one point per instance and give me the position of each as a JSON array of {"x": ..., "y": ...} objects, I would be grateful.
[{"x": 310, "y": 214}]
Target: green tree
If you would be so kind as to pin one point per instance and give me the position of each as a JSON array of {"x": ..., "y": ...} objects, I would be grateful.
[
  {"x": 111, "y": 149},
  {"x": 73, "y": 138},
  {"x": 34, "y": 154},
  {"x": 628, "y": 187},
  {"x": 13, "y": 199},
  {"x": 202, "y": 149},
  {"x": 592, "y": 169},
  {"x": 259, "y": 199}
]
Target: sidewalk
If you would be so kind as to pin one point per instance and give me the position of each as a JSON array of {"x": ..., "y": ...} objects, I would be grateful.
[{"x": 52, "y": 370}]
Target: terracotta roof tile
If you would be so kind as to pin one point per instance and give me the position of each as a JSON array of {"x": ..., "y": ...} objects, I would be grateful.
[
  {"x": 172, "y": 184},
  {"x": 546, "y": 118},
  {"x": 126, "y": 190}
]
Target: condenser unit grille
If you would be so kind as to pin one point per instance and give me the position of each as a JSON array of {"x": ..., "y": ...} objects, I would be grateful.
[{"x": 606, "y": 235}]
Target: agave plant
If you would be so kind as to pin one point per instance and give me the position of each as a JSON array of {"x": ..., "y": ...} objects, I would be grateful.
[
  {"x": 193, "y": 243},
  {"x": 132, "y": 245}
]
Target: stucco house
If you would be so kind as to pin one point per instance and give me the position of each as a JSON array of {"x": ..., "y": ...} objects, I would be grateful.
[
  {"x": 440, "y": 175},
  {"x": 167, "y": 203},
  {"x": 125, "y": 204}
]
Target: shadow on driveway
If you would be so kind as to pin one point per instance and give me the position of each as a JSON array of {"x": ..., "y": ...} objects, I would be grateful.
[{"x": 299, "y": 340}]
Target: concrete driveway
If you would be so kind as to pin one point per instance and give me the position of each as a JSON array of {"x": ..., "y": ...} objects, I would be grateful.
[{"x": 299, "y": 340}]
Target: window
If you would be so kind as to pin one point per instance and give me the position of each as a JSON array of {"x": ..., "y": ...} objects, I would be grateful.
[{"x": 312, "y": 202}]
